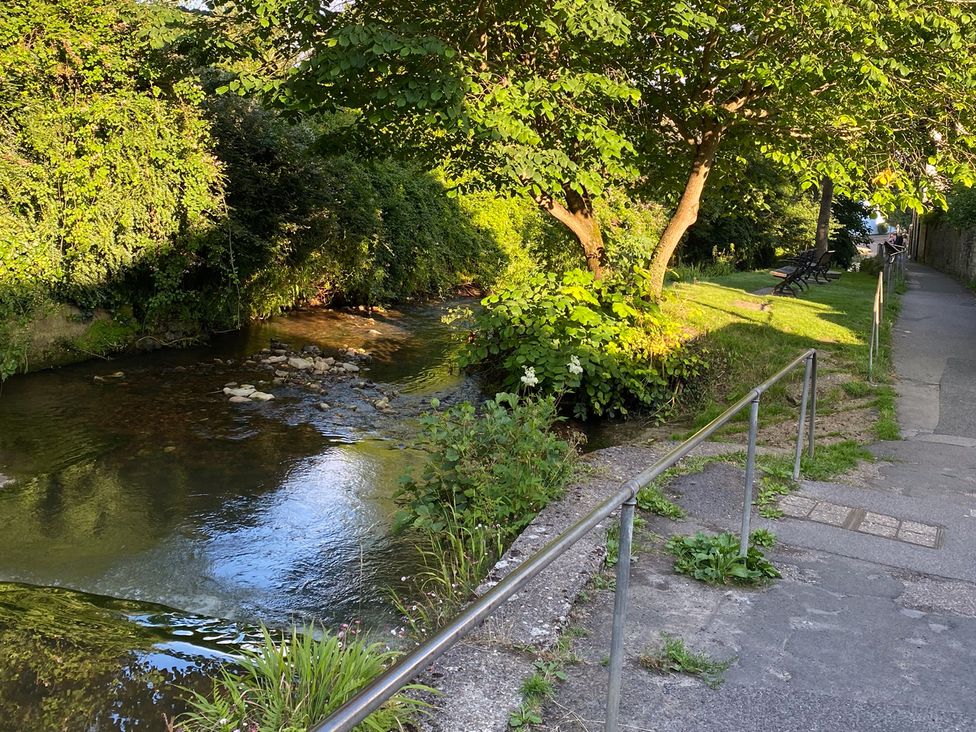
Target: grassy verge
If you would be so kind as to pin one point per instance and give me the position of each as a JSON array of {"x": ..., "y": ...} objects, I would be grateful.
[{"x": 749, "y": 337}]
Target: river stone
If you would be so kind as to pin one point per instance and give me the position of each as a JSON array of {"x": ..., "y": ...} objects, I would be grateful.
[
  {"x": 276, "y": 359},
  {"x": 314, "y": 350},
  {"x": 324, "y": 406},
  {"x": 243, "y": 391},
  {"x": 351, "y": 367},
  {"x": 239, "y": 399},
  {"x": 262, "y": 396},
  {"x": 383, "y": 403},
  {"x": 302, "y": 364},
  {"x": 280, "y": 374}
]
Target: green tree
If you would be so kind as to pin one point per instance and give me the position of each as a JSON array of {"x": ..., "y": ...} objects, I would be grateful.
[
  {"x": 525, "y": 97},
  {"x": 838, "y": 90},
  {"x": 558, "y": 100},
  {"x": 99, "y": 169}
]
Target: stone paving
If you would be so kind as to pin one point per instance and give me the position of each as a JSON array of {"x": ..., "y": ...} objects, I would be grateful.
[{"x": 863, "y": 521}]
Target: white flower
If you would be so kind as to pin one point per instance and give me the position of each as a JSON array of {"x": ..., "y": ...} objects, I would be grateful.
[
  {"x": 936, "y": 136},
  {"x": 930, "y": 170},
  {"x": 529, "y": 378},
  {"x": 574, "y": 365}
]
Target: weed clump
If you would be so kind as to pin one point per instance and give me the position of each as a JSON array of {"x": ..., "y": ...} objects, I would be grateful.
[
  {"x": 673, "y": 657},
  {"x": 715, "y": 559},
  {"x": 496, "y": 468}
]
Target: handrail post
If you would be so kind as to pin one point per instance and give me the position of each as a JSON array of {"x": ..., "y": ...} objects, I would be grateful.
[
  {"x": 807, "y": 373},
  {"x": 813, "y": 404},
  {"x": 750, "y": 475},
  {"x": 875, "y": 308},
  {"x": 620, "y": 614}
]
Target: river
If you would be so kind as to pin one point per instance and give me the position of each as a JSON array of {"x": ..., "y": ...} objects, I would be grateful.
[{"x": 147, "y": 524}]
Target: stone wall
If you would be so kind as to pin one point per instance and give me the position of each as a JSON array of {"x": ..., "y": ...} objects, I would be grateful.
[{"x": 950, "y": 250}]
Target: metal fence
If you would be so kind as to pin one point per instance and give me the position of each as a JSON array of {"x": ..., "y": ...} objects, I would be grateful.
[
  {"x": 386, "y": 685},
  {"x": 893, "y": 271}
]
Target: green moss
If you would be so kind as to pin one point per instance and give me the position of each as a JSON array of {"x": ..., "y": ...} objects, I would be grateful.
[{"x": 106, "y": 336}]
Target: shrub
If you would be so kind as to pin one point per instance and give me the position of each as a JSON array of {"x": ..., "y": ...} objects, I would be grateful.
[
  {"x": 498, "y": 468},
  {"x": 715, "y": 559},
  {"x": 291, "y": 684},
  {"x": 595, "y": 343}
]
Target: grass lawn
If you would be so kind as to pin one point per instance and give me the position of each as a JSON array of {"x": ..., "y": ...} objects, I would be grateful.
[{"x": 750, "y": 337}]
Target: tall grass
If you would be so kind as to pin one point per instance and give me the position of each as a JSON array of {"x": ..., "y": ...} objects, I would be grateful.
[
  {"x": 453, "y": 564},
  {"x": 291, "y": 683}
]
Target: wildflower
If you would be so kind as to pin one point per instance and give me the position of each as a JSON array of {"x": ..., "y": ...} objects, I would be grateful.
[
  {"x": 931, "y": 170},
  {"x": 529, "y": 378},
  {"x": 574, "y": 365},
  {"x": 936, "y": 136}
]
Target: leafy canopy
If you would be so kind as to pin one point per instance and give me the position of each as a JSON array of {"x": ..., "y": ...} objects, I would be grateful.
[{"x": 529, "y": 96}]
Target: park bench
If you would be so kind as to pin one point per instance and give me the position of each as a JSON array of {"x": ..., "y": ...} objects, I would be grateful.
[
  {"x": 793, "y": 272},
  {"x": 796, "y": 272}
]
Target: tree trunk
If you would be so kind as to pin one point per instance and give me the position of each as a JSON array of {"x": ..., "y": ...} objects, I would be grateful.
[
  {"x": 823, "y": 219},
  {"x": 578, "y": 216},
  {"x": 686, "y": 213}
]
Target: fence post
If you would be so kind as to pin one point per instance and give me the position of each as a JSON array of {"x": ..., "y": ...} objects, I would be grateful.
[
  {"x": 803, "y": 417},
  {"x": 873, "y": 338},
  {"x": 750, "y": 476},
  {"x": 620, "y": 614},
  {"x": 813, "y": 405}
]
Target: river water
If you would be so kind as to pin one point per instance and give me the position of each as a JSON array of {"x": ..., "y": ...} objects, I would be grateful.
[{"x": 147, "y": 524}]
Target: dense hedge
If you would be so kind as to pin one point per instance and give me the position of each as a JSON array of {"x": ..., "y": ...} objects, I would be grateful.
[{"x": 127, "y": 184}]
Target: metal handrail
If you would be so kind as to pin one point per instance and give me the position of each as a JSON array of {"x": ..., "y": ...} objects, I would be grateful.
[
  {"x": 385, "y": 686},
  {"x": 894, "y": 268}
]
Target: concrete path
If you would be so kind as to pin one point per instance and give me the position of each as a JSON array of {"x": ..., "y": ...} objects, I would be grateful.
[
  {"x": 873, "y": 626},
  {"x": 935, "y": 360}
]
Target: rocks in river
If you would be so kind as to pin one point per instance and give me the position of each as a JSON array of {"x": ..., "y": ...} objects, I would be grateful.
[
  {"x": 116, "y": 375},
  {"x": 275, "y": 359},
  {"x": 302, "y": 364},
  {"x": 350, "y": 367},
  {"x": 324, "y": 406},
  {"x": 239, "y": 399},
  {"x": 323, "y": 364},
  {"x": 262, "y": 396},
  {"x": 241, "y": 391},
  {"x": 281, "y": 374},
  {"x": 383, "y": 404}
]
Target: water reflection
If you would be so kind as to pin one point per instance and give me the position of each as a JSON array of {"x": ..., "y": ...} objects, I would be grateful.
[
  {"x": 152, "y": 487},
  {"x": 71, "y": 661}
]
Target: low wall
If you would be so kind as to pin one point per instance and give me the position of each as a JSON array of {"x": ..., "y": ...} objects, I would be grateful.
[{"x": 950, "y": 250}]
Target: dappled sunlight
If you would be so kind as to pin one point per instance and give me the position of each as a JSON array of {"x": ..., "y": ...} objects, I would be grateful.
[{"x": 838, "y": 313}]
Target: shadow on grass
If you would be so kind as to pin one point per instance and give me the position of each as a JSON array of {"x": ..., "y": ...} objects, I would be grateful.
[{"x": 747, "y": 346}]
